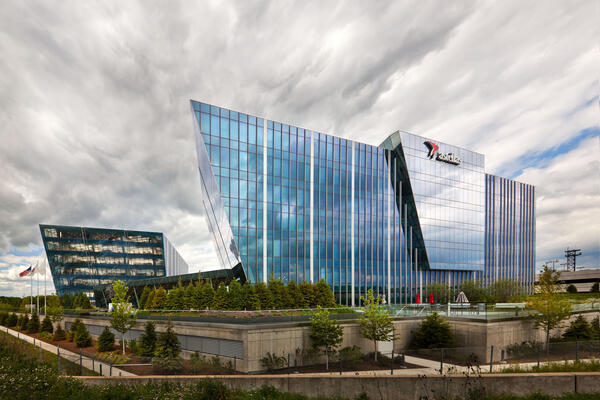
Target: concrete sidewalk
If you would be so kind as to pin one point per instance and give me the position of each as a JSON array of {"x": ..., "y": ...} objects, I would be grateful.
[{"x": 69, "y": 355}]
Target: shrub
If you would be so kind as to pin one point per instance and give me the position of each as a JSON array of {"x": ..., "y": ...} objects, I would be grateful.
[
  {"x": 148, "y": 340},
  {"x": 236, "y": 298},
  {"x": 221, "y": 299},
  {"x": 265, "y": 296},
  {"x": 24, "y": 322},
  {"x": 571, "y": 289},
  {"x": 251, "y": 300},
  {"x": 3, "y": 318},
  {"x": 47, "y": 325},
  {"x": 323, "y": 294},
  {"x": 33, "y": 326},
  {"x": 579, "y": 329},
  {"x": 144, "y": 297},
  {"x": 160, "y": 296},
  {"x": 166, "y": 355},
  {"x": 595, "y": 288},
  {"x": 272, "y": 361},
  {"x": 281, "y": 296},
  {"x": 134, "y": 346},
  {"x": 73, "y": 328},
  {"x": 81, "y": 336},
  {"x": 523, "y": 350},
  {"x": 106, "y": 340},
  {"x": 11, "y": 321},
  {"x": 59, "y": 334},
  {"x": 434, "y": 333},
  {"x": 596, "y": 328},
  {"x": 350, "y": 354},
  {"x": 45, "y": 335}
]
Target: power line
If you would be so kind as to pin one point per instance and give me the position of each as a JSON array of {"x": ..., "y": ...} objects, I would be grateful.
[{"x": 572, "y": 258}]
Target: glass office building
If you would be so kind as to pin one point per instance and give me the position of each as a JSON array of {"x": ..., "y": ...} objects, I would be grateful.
[
  {"x": 298, "y": 204},
  {"x": 81, "y": 258}
]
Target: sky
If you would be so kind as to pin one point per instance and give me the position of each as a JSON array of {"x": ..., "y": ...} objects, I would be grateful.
[{"x": 96, "y": 129}]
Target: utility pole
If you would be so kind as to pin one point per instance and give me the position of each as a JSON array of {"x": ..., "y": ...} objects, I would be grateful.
[
  {"x": 572, "y": 258},
  {"x": 553, "y": 262}
]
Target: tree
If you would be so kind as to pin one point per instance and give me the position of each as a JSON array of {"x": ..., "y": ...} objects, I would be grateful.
[
  {"x": 82, "y": 301},
  {"x": 433, "y": 333},
  {"x": 323, "y": 294},
  {"x": 595, "y": 325},
  {"x": 188, "y": 296},
  {"x": 221, "y": 299},
  {"x": 595, "y": 287},
  {"x": 11, "y": 321},
  {"x": 236, "y": 299},
  {"x": 160, "y": 296},
  {"x": 375, "y": 321},
  {"x": 24, "y": 323},
  {"x": 207, "y": 295},
  {"x": 166, "y": 354},
  {"x": 571, "y": 289},
  {"x": 281, "y": 297},
  {"x": 106, "y": 340},
  {"x": 47, "y": 325},
  {"x": 59, "y": 334},
  {"x": 296, "y": 296},
  {"x": 33, "y": 326},
  {"x": 144, "y": 298},
  {"x": 308, "y": 295},
  {"x": 148, "y": 339},
  {"x": 264, "y": 296},
  {"x": 149, "y": 303},
  {"x": 249, "y": 296},
  {"x": 441, "y": 293},
  {"x": 175, "y": 298},
  {"x": 122, "y": 317},
  {"x": 325, "y": 333},
  {"x": 56, "y": 313},
  {"x": 474, "y": 291},
  {"x": 81, "y": 336},
  {"x": 502, "y": 290},
  {"x": 579, "y": 329},
  {"x": 551, "y": 308}
]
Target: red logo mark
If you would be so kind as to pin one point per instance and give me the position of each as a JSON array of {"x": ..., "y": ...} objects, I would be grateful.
[{"x": 433, "y": 148}]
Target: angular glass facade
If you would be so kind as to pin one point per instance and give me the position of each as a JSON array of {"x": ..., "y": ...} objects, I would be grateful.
[
  {"x": 81, "y": 258},
  {"x": 302, "y": 205}
]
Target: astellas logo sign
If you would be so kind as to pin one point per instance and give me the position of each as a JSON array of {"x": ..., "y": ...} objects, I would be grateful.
[{"x": 448, "y": 158}]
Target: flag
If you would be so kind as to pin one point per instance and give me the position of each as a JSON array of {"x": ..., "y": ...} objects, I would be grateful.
[{"x": 26, "y": 272}]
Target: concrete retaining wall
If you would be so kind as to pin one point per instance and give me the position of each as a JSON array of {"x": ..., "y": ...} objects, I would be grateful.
[{"x": 391, "y": 387}]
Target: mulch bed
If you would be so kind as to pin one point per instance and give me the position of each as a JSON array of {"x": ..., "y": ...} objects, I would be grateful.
[{"x": 363, "y": 365}]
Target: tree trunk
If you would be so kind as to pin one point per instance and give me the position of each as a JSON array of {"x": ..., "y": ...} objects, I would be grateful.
[
  {"x": 123, "y": 342},
  {"x": 375, "y": 345},
  {"x": 547, "y": 339},
  {"x": 326, "y": 360}
]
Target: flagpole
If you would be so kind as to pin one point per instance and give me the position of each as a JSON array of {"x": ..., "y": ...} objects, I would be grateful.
[
  {"x": 37, "y": 297},
  {"x": 31, "y": 290},
  {"x": 44, "y": 263}
]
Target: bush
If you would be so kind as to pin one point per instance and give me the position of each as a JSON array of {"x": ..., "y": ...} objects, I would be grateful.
[
  {"x": 24, "y": 323},
  {"x": 134, "y": 347},
  {"x": 33, "y": 326},
  {"x": 579, "y": 329},
  {"x": 47, "y": 325},
  {"x": 166, "y": 354},
  {"x": 272, "y": 362},
  {"x": 3, "y": 318},
  {"x": 106, "y": 340},
  {"x": 596, "y": 328},
  {"x": 46, "y": 335},
  {"x": 350, "y": 354},
  {"x": 81, "y": 336},
  {"x": 11, "y": 321},
  {"x": 571, "y": 289},
  {"x": 148, "y": 340},
  {"x": 523, "y": 350},
  {"x": 73, "y": 328},
  {"x": 59, "y": 334},
  {"x": 434, "y": 333},
  {"x": 595, "y": 288}
]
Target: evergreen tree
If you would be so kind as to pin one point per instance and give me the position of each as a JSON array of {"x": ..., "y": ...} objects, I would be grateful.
[
  {"x": 47, "y": 325},
  {"x": 579, "y": 329},
  {"x": 73, "y": 329},
  {"x": 375, "y": 321},
  {"x": 197, "y": 296},
  {"x": 82, "y": 337},
  {"x": 207, "y": 294},
  {"x": 595, "y": 325},
  {"x": 188, "y": 296},
  {"x": 106, "y": 340},
  {"x": 308, "y": 295},
  {"x": 236, "y": 299},
  {"x": 33, "y": 326},
  {"x": 221, "y": 299},
  {"x": 24, "y": 322},
  {"x": 323, "y": 294},
  {"x": 148, "y": 339},
  {"x": 296, "y": 296},
  {"x": 251, "y": 300},
  {"x": 325, "y": 333},
  {"x": 149, "y": 303},
  {"x": 175, "y": 298},
  {"x": 160, "y": 296},
  {"x": 571, "y": 289},
  {"x": 144, "y": 297},
  {"x": 264, "y": 296},
  {"x": 595, "y": 287},
  {"x": 281, "y": 297},
  {"x": 434, "y": 333},
  {"x": 59, "y": 334},
  {"x": 82, "y": 301},
  {"x": 11, "y": 322},
  {"x": 166, "y": 353}
]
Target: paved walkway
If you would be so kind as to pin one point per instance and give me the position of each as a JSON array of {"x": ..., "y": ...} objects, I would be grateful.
[{"x": 69, "y": 355}]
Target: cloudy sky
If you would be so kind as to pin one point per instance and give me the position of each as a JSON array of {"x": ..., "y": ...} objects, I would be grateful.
[{"x": 95, "y": 126}]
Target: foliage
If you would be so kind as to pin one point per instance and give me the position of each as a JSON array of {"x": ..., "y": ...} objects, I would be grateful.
[
  {"x": 134, "y": 346},
  {"x": 56, "y": 313},
  {"x": 474, "y": 291},
  {"x": 265, "y": 296},
  {"x": 144, "y": 297},
  {"x": 350, "y": 354},
  {"x": 24, "y": 322},
  {"x": 175, "y": 298},
  {"x": 188, "y": 296},
  {"x": 149, "y": 303},
  {"x": 148, "y": 339},
  {"x": 571, "y": 289},
  {"x": 249, "y": 296},
  {"x": 159, "y": 298},
  {"x": 33, "y": 326},
  {"x": 595, "y": 288},
  {"x": 47, "y": 325},
  {"x": 579, "y": 329},
  {"x": 522, "y": 350},
  {"x": 551, "y": 309},
  {"x": 46, "y": 335},
  {"x": 595, "y": 325},
  {"x": 166, "y": 354},
  {"x": 281, "y": 297},
  {"x": 325, "y": 333},
  {"x": 441, "y": 293},
  {"x": 82, "y": 301},
  {"x": 296, "y": 295},
  {"x": 106, "y": 340},
  {"x": 433, "y": 333},
  {"x": 122, "y": 317},
  {"x": 59, "y": 334},
  {"x": 81, "y": 336},
  {"x": 221, "y": 299},
  {"x": 205, "y": 295},
  {"x": 308, "y": 295},
  {"x": 503, "y": 290},
  {"x": 272, "y": 361},
  {"x": 565, "y": 366},
  {"x": 375, "y": 321},
  {"x": 11, "y": 321},
  {"x": 236, "y": 299},
  {"x": 323, "y": 294}
]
